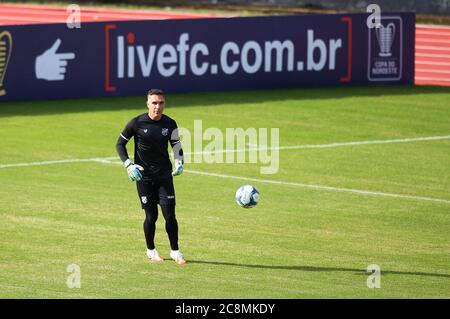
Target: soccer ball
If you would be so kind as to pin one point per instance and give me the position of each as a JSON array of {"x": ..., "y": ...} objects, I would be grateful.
[{"x": 247, "y": 196}]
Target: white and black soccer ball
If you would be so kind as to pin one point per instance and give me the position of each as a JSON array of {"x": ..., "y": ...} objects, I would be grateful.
[{"x": 247, "y": 196}]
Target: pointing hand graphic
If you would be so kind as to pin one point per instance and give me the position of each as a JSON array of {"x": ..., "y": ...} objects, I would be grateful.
[{"x": 50, "y": 65}]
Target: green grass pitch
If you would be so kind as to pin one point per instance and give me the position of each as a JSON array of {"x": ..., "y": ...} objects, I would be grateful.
[{"x": 299, "y": 242}]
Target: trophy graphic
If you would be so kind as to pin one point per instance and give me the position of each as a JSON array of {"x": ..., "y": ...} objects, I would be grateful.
[
  {"x": 5, "y": 53},
  {"x": 385, "y": 37}
]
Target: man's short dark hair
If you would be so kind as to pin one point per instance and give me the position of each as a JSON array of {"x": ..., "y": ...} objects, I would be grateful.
[{"x": 155, "y": 92}]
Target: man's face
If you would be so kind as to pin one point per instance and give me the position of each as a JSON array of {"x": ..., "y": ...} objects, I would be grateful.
[{"x": 155, "y": 104}]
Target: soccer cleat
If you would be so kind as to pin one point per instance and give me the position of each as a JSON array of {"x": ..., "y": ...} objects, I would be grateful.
[
  {"x": 154, "y": 256},
  {"x": 178, "y": 257}
]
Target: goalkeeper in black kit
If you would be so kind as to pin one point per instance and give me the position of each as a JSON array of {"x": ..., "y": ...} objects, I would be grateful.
[{"x": 152, "y": 170}]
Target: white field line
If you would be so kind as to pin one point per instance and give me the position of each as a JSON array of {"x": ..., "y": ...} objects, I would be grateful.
[
  {"x": 113, "y": 160},
  {"x": 290, "y": 147},
  {"x": 312, "y": 186},
  {"x": 75, "y": 160},
  {"x": 332, "y": 145},
  {"x": 320, "y": 187}
]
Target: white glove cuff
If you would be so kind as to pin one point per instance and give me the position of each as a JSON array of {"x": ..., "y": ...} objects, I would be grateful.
[{"x": 126, "y": 163}]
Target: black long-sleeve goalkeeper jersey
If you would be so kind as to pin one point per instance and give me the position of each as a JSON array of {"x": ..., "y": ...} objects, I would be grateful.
[{"x": 151, "y": 139}]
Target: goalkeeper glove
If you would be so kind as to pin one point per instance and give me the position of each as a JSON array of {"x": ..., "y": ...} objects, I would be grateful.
[
  {"x": 133, "y": 170},
  {"x": 178, "y": 168}
]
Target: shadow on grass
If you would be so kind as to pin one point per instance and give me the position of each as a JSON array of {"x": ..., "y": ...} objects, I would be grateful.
[
  {"x": 318, "y": 269},
  {"x": 30, "y": 108}
]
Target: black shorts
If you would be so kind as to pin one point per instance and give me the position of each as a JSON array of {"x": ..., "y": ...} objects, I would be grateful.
[{"x": 156, "y": 191}]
